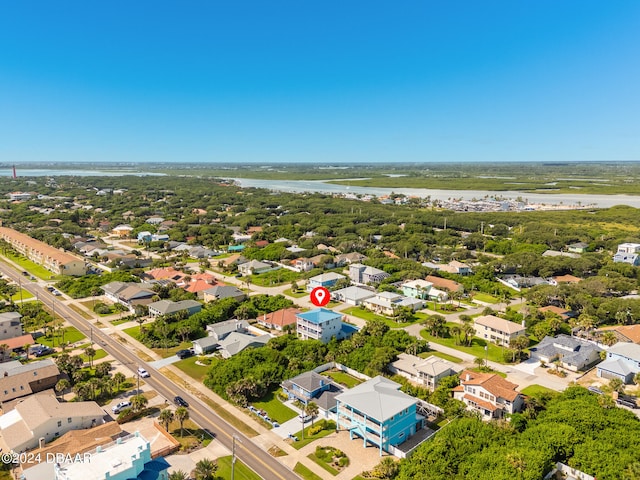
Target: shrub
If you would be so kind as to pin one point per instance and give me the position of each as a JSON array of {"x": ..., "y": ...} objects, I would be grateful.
[
  {"x": 344, "y": 461},
  {"x": 317, "y": 428}
]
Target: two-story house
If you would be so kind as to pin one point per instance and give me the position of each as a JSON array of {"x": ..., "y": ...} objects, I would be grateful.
[
  {"x": 489, "y": 394},
  {"x": 379, "y": 413},
  {"x": 497, "y": 330},
  {"x": 313, "y": 387},
  {"x": 362, "y": 274},
  {"x": 423, "y": 371},
  {"x": 10, "y": 325},
  {"x": 326, "y": 280},
  {"x": 417, "y": 289},
  {"x": 322, "y": 324},
  {"x": 623, "y": 362},
  {"x": 628, "y": 253},
  {"x": 389, "y": 303},
  {"x": 18, "y": 380},
  {"x": 352, "y": 295}
]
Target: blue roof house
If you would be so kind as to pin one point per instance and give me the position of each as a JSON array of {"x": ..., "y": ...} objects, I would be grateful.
[
  {"x": 322, "y": 324},
  {"x": 379, "y": 413}
]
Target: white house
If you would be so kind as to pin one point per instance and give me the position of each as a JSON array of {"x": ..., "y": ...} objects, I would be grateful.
[
  {"x": 322, "y": 324},
  {"x": 10, "y": 325},
  {"x": 628, "y": 253},
  {"x": 352, "y": 295},
  {"x": 389, "y": 303},
  {"x": 497, "y": 330},
  {"x": 423, "y": 371},
  {"x": 623, "y": 362},
  {"x": 488, "y": 394}
]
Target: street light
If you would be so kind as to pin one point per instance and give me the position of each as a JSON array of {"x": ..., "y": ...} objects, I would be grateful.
[{"x": 233, "y": 454}]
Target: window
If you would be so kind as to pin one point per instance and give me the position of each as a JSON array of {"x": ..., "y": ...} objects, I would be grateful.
[
  {"x": 59, "y": 423},
  {"x": 21, "y": 387},
  {"x": 69, "y": 420},
  {"x": 35, "y": 373},
  {"x": 6, "y": 391},
  {"x": 13, "y": 389}
]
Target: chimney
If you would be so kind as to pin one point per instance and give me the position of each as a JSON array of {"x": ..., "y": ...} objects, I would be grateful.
[
  {"x": 41, "y": 442},
  {"x": 523, "y": 323},
  {"x": 468, "y": 377}
]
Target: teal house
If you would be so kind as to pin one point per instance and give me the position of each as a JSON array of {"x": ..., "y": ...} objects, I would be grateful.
[{"x": 379, "y": 413}]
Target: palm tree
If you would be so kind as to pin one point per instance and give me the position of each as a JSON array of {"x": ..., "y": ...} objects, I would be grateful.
[
  {"x": 312, "y": 409},
  {"x": 205, "y": 469},
  {"x": 94, "y": 384},
  {"x": 3, "y": 350},
  {"x": 62, "y": 385},
  {"x": 616, "y": 384},
  {"x": 467, "y": 332},
  {"x": 479, "y": 361},
  {"x": 165, "y": 418},
  {"x": 178, "y": 475},
  {"x": 455, "y": 331},
  {"x": 118, "y": 380},
  {"x": 138, "y": 402},
  {"x": 609, "y": 338},
  {"x": 90, "y": 352},
  {"x": 181, "y": 415},
  {"x": 636, "y": 378}
]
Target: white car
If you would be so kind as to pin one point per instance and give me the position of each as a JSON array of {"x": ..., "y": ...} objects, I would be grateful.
[
  {"x": 142, "y": 373},
  {"x": 121, "y": 406}
]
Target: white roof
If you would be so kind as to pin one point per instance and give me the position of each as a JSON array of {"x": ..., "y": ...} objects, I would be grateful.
[
  {"x": 626, "y": 349},
  {"x": 378, "y": 398},
  {"x": 418, "y": 284},
  {"x": 499, "y": 324}
]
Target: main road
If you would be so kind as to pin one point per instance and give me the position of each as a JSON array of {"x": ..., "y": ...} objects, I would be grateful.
[{"x": 246, "y": 451}]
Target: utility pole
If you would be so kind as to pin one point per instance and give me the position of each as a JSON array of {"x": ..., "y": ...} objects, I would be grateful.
[{"x": 233, "y": 455}]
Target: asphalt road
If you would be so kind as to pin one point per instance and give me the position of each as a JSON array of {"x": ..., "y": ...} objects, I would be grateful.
[{"x": 246, "y": 451}]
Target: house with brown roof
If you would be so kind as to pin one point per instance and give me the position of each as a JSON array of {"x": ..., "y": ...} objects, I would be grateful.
[
  {"x": 43, "y": 416},
  {"x": 444, "y": 283},
  {"x": 497, "y": 330},
  {"x": 51, "y": 258},
  {"x": 18, "y": 380},
  {"x": 488, "y": 394},
  {"x": 561, "y": 312},
  {"x": 624, "y": 333},
  {"x": 564, "y": 279},
  {"x": 122, "y": 231},
  {"x": 279, "y": 319}
]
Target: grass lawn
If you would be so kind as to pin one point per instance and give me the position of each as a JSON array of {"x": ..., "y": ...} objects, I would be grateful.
[
  {"x": 80, "y": 311},
  {"x": 274, "y": 278},
  {"x": 188, "y": 366},
  {"x": 298, "y": 294},
  {"x": 133, "y": 332},
  {"x": 22, "y": 295},
  {"x": 305, "y": 473},
  {"x": 342, "y": 378},
  {"x": 330, "y": 428},
  {"x": 276, "y": 410},
  {"x": 242, "y": 472},
  {"x": 119, "y": 322},
  {"x": 444, "y": 356},
  {"x": 323, "y": 464},
  {"x": 31, "y": 267},
  {"x": 191, "y": 436},
  {"x": 367, "y": 315},
  {"x": 100, "y": 353},
  {"x": 476, "y": 349},
  {"x": 68, "y": 334},
  {"x": 485, "y": 297},
  {"x": 167, "y": 352},
  {"x": 536, "y": 390}
]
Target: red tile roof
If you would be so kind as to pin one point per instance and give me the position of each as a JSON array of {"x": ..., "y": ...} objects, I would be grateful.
[
  {"x": 492, "y": 383},
  {"x": 280, "y": 318}
]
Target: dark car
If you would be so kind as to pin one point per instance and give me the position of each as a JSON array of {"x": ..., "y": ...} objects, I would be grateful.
[
  {"x": 40, "y": 352},
  {"x": 184, "y": 354},
  {"x": 181, "y": 402},
  {"x": 626, "y": 403}
]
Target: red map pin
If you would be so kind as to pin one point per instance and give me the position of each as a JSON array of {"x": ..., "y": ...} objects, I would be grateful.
[{"x": 320, "y": 296}]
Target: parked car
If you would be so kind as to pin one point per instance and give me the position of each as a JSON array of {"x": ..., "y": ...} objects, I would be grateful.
[
  {"x": 50, "y": 288},
  {"x": 181, "y": 402},
  {"x": 142, "y": 373},
  {"x": 626, "y": 402},
  {"x": 305, "y": 418},
  {"x": 121, "y": 406},
  {"x": 40, "y": 352},
  {"x": 184, "y": 353},
  {"x": 595, "y": 390}
]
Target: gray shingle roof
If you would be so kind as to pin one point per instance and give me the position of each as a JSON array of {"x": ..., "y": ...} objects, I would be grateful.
[{"x": 378, "y": 398}]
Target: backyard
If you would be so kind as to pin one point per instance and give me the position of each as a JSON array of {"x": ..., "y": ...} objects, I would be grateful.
[
  {"x": 273, "y": 278},
  {"x": 477, "y": 348},
  {"x": 444, "y": 356},
  {"x": 342, "y": 378},
  {"x": 367, "y": 315}
]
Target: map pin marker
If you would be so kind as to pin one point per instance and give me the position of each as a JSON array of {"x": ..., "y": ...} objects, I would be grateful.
[{"x": 319, "y": 296}]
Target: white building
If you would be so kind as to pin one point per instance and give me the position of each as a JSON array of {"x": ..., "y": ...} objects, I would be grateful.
[
  {"x": 10, "y": 325},
  {"x": 628, "y": 253},
  {"x": 322, "y": 324},
  {"x": 497, "y": 330},
  {"x": 424, "y": 371}
]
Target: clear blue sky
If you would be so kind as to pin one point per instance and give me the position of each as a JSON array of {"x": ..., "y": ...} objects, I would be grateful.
[{"x": 319, "y": 81}]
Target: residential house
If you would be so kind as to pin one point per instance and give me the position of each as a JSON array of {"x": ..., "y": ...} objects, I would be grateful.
[
  {"x": 255, "y": 267},
  {"x": 169, "y": 307},
  {"x": 10, "y": 325},
  {"x": 129, "y": 294},
  {"x": 235, "y": 259},
  {"x": 489, "y": 394},
  {"x": 389, "y": 303},
  {"x": 302, "y": 264},
  {"x": 43, "y": 416},
  {"x": 423, "y": 371},
  {"x": 200, "y": 252},
  {"x": 379, "y": 413},
  {"x": 579, "y": 247},
  {"x": 236, "y": 342},
  {"x": 561, "y": 312},
  {"x": 313, "y": 387},
  {"x": 456, "y": 267},
  {"x": 625, "y": 333},
  {"x": 126, "y": 458},
  {"x": 349, "y": 258},
  {"x": 122, "y": 231},
  {"x": 222, "y": 291},
  {"x": 18, "y": 380},
  {"x": 628, "y": 253},
  {"x": 557, "y": 253},
  {"x": 167, "y": 273},
  {"x": 205, "y": 345},
  {"x": 573, "y": 353},
  {"x": 352, "y": 295},
  {"x": 322, "y": 324},
  {"x": 18, "y": 196},
  {"x": 497, "y": 330},
  {"x": 154, "y": 220},
  {"x": 326, "y": 280},
  {"x": 416, "y": 289},
  {"x": 445, "y": 284},
  {"x": 564, "y": 279},
  {"x": 518, "y": 281},
  {"x": 51, "y": 258},
  {"x": 221, "y": 330},
  {"x": 362, "y": 274},
  {"x": 623, "y": 362},
  {"x": 280, "y": 319},
  {"x": 200, "y": 282}
]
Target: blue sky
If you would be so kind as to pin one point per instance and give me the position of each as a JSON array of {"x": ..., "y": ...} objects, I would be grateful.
[{"x": 322, "y": 82}]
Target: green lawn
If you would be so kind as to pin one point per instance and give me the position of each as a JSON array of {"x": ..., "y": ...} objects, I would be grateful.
[
  {"x": 80, "y": 311},
  {"x": 23, "y": 295},
  {"x": 324, "y": 465},
  {"x": 274, "y": 278},
  {"x": 305, "y": 473},
  {"x": 119, "y": 321},
  {"x": 298, "y": 294},
  {"x": 476, "y": 349},
  {"x": 188, "y": 366},
  {"x": 342, "y": 378},
  {"x": 276, "y": 410},
  {"x": 100, "y": 353},
  {"x": 242, "y": 472},
  {"x": 29, "y": 266},
  {"x": 485, "y": 297},
  {"x": 536, "y": 390},
  {"x": 367, "y": 315},
  {"x": 330, "y": 428},
  {"x": 169, "y": 351},
  {"x": 133, "y": 332},
  {"x": 71, "y": 335},
  {"x": 444, "y": 356}
]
